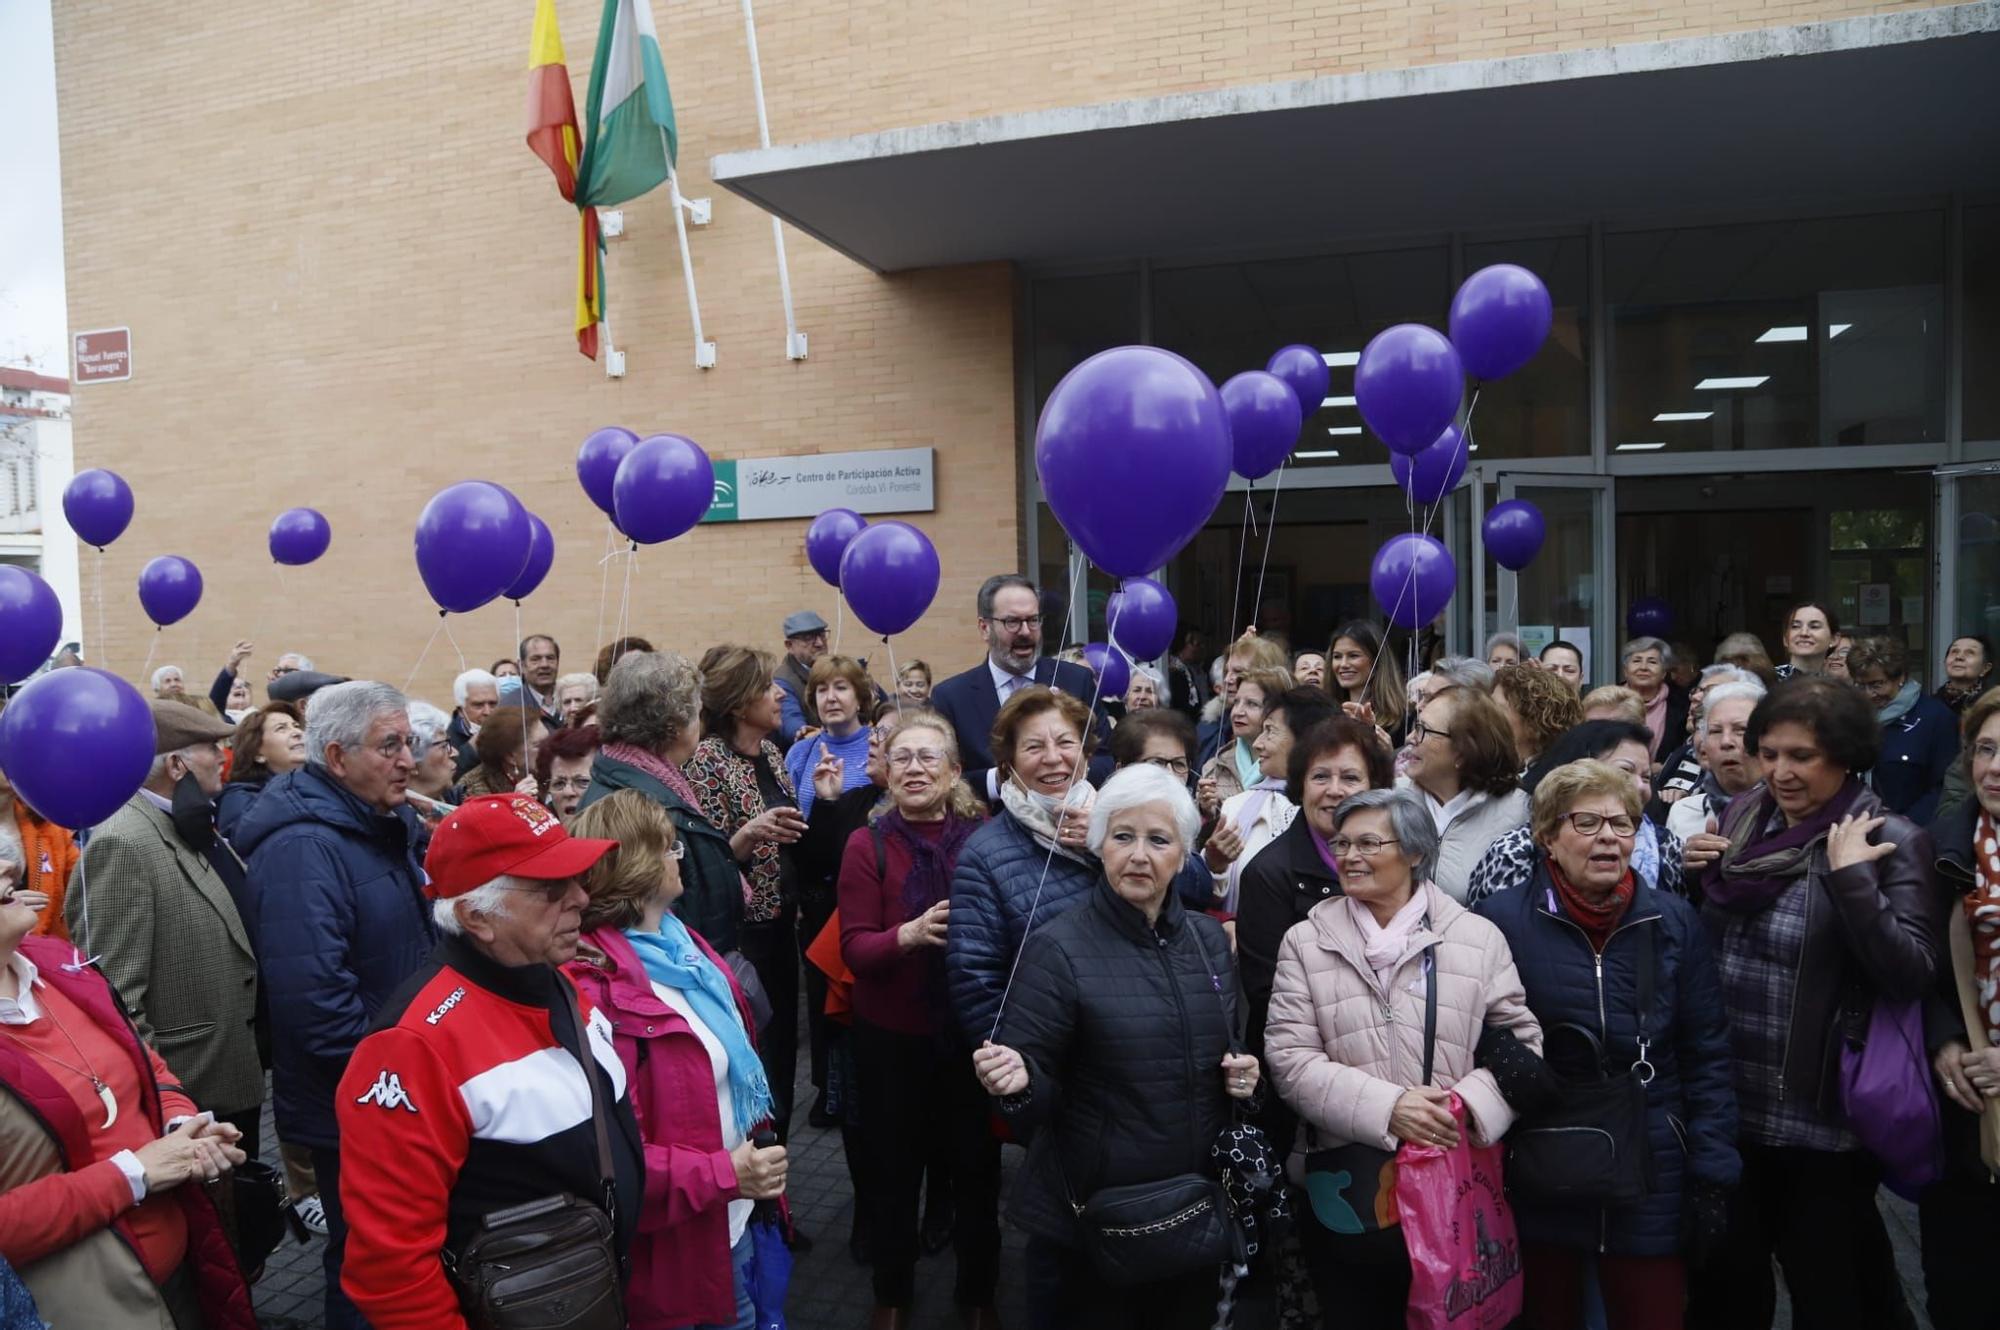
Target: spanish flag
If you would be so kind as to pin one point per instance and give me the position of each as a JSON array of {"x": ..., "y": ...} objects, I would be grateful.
[{"x": 553, "y": 137}]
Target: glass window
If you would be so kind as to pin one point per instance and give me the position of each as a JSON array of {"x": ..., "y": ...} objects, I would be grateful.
[
  {"x": 1982, "y": 323},
  {"x": 1978, "y": 558},
  {"x": 1800, "y": 334},
  {"x": 1543, "y": 408}
]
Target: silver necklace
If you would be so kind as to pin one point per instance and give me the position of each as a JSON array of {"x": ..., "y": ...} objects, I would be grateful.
[{"x": 104, "y": 1095}]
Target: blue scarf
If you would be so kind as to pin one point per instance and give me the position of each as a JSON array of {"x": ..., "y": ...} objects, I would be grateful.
[{"x": 673, "y": 960}]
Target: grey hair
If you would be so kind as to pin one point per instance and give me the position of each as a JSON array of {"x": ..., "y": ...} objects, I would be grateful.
[
  {"x": 581, "y": 679},
  {"x": 650, "y": 698},
  {"x": 1638, "y": 644},
  {"x": 1713, "y": 676},
  {"x": 469, "y": 680},
  {"x": 343, "y": 712},
  {"x": 1135, "y": 786},
  {"x": 1750, "y": 690},
  {"x": 163, "y": 672},
  {"x": 489, "y": 899},
  {"x": 1503, "y": 640},
  {"x": 427, "y": 722},
  {"x": 1465, "y": 672},
  {"x": 298, "y": 658},
  {"x": 999, "y": 582},
  {"x": 1149, "y": 673},
  {"x": 1408, "y": 818},
  {"x": 159, "y": 767}
]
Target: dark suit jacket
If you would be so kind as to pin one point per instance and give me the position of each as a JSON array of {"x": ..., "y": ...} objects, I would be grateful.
[{"x": 971, "y": 703}]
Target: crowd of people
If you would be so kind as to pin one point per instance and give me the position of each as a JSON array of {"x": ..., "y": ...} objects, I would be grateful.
[{"x": 532, "y": 978}]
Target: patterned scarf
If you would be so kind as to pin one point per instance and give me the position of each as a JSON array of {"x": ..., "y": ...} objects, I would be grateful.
[
  {"x": 1753, "y": 873},
  {"x": 655, "y": 766},
  {"x": 1037, "y": 812},
  {"x": 730, "y": 798},
  {"x": 1982, "y": 912},
  {"x": 933, "y": 859}
]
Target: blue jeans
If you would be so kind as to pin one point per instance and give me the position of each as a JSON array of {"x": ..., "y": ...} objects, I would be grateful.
[{"x": 741, "y": 1258}]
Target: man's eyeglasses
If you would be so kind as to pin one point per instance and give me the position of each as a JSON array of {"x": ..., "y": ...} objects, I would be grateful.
[
  {"x": 1623, "y": 826},
  {"x": 930, "y": 759},
  {"x": 1019, "y": 624},
  {"x": 1177, "y": 765},
  {"x": 1370, "y": 846},
  {"x": 552, "y": 890},
  {"x": 394, "y": 745}
]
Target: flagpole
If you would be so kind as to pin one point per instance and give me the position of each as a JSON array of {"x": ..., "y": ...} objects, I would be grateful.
[
  {"x": 704, "y": 350},
  {"x": 795, "y": 341}
]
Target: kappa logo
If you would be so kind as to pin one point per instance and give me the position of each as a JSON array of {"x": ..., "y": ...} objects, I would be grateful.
[
  {"x": 438, "y": 1012},
  {"x": 388, "y": 1092}
]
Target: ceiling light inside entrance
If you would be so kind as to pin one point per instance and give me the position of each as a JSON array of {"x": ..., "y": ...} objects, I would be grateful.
[
  {"x": 1682, "y": 415},
  {"x": 1343, "y": 429},
  {"x": 1640, "y": 447},
  {"x": 1328, "y": 452},
  {"x": 1798, "y": 332},
  {"x": 1341, "y": 359},
  {"x": 1338, "y": 401},
  {"x": 1725, "y": 384}
]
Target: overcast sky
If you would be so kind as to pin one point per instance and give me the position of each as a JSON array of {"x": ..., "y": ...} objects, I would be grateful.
[{"x": 31, "y": 260}]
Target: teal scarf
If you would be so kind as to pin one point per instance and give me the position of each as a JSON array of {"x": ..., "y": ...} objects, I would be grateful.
[
  {"x": 1247, "y": 768},
  {"x": 673, "y": 960}
]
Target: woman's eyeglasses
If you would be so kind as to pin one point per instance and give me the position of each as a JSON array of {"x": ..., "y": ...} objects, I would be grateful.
[
  {"x": 930, "y": 759},
  {"x": 1177, "y": 765},
  {"x": 1589, "y": 824},
  {"x": 1420, "y": 731},
  {"x": 1370, "y": 846}
]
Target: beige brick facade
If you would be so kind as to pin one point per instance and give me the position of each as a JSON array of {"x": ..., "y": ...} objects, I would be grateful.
[{"x": 349, "y": 284}]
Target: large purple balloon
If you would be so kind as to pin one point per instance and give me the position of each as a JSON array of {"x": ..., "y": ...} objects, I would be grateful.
[
  {"x": 169, "y": 588},
  {"x": 1407, "y": 385},
  {"x": 1499, "y": 320},
  {"x": 473, "y": 541},
  {"x": 76, "y": 744},
  {"x": 1133, "y": 454},
  {"x": 1434, "y": 472},
  {"x": 299, "y": 535},
  {"x": 541, "y": 554},
  {"x": 826, "y": 541},
  {"x": 98, "y": 504},
  {"x": 1650, "y": 617},
  {"x": 1514, "y": 532},
  {"x": 1113, "y": 671},
  {"x": 597, "y": 463},
  {"x": 1413, "y": 577},
  {"x": 889, "y": 575},
  {"x": 1305, "y": 373},
  {"x": 1264, "y": 422},
  {"x": 663, "y": 487},
  {"x": 1141, "y": 618},
  {"x": 30, "y": 623}
]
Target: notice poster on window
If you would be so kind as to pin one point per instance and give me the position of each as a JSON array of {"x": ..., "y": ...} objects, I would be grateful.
[
  {"x": 1874, "y": 599},
  {"x": 1535, "y": 636}
]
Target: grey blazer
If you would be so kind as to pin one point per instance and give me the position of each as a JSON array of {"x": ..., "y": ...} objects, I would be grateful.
[{"x": 168, "y": 937}]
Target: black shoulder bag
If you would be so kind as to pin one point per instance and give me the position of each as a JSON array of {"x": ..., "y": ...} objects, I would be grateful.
[
  {"x": 1147, "y": 1231},
  {"x": 548, "y": 1264},
  {"x": 1352, "y": 1187},
  {"x": 1589, "y": 1145}
]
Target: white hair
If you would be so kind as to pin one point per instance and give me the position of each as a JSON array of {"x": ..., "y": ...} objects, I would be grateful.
[
  {"x": 343, "y": 713},
  {"x": 1652, "y": 644},
  {"x": 1751, "y": 691},
  {"x": 471, "y": 679},
  {"x": 299, "y": 660},
  {"x": 489, "y": 899},
  {"x": 427, "y": 722},
  {"x": 1150, "y": 674},
  {"x": 1464, "y": 672},
  {"x": 160, "y": 675},
  {"x": 581, "y": 679},
  {"x": 1135, "y": 786}
]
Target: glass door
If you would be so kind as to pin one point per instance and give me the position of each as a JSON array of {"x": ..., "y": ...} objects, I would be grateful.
[
  {"x": 1567, "y": 593},
  {"x": 1968, "y": 545}
]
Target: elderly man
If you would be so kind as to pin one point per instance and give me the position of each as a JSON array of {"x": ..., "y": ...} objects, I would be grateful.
[
  {"x": 489, "y": 1082},
  {"x": 805, "y": 642},
  {"x": 541, "y": 666},
  {"x": 335, "y": 856},
  {"x": 1010, "y": 624},
  {"x": 167, "y": 682},
  {"x": 165, "y": 928},
  {"x": 477, "y": 693},
  {"x": 1728, "y": 768}
]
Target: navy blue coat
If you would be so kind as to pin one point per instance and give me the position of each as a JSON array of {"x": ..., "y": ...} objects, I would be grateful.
[
  {"x": 341, "y": 921},
  {"x": 1691, "y": 1102},
  {"x": 971, "y": 703},
  {"x": 1918, "y": 749}
]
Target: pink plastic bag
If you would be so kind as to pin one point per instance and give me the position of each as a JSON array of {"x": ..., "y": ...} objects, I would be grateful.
[{"x": 1465, "y": 1257}]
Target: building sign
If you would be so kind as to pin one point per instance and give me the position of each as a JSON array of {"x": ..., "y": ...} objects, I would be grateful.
[
  {"x": 103, "y": 356},
  {"x": 887, "y": 480}
]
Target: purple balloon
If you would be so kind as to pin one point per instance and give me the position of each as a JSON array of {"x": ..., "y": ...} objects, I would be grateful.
[
  {"x": 299, "y": 535},
  {"x": 1434, "y": 472},
  {"x": 1413, "y": 577},
  {"x": 473, "y": 541},
  {"x": 1133, "y": 452},
  {"x": 98, "y": 504},
  {"x": 30, "y": 623},
  {"x": 1113, "y": 671},
  {"x": 664, "y": 486},
  {"x": 1499, "y": 320},
  {"x": 1514, "y": 532},
  {"x": 1304, "y": 371},
  {"x": 889, "y": 575},
  {"x": 1407, "y": 385},
  {"x": 541, "y": 554},
  {"x": 169, "y": 589},
  {"x": 826, "y": 541},
  {"x": 1650, "y": 617},
  {"x": 1264, "y": 422},
  {"x": 597, "y": 464},
  {"x": 76, "y": 744},
  {"x": 1141, "y": 617}
]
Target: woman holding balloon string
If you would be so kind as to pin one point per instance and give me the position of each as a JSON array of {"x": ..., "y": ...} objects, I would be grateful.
[{"x": 1365, "y": 681}]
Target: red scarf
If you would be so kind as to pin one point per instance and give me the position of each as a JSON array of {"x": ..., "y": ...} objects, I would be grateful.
[{"x": 1596, "y": 919}]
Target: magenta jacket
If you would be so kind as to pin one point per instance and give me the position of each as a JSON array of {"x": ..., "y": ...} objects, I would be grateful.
[{"x": 681, "y": 1272}]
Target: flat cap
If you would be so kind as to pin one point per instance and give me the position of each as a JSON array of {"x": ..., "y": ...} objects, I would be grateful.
[
  {"x": 298, "y": 685},
  {"x": 800, "y": 622},
  {"x": 178, "y": 725}
]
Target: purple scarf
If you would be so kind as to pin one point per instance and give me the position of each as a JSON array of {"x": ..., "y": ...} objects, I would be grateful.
[
  {"x": 1752, "y": 873},
  {"x": 1319, "y": 843},
  {"x": 932, "y": 860}
]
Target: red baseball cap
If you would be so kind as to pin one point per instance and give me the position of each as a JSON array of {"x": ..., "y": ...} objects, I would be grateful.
[{"x": 504, "y": 835}]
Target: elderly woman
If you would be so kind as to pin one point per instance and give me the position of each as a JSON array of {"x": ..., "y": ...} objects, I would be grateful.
[
  {"x": 1234, "y": 768},
  {"x": 1357, "y": 985},
  {"x": 268, "y": 742},
  {"x": 914, "y": 1069},
  {"x": 506, "y": 764},
  {"x": 1644, "y": 662},
  {"x": 1968, "y": 663},
  {"x": 1614, "y": 702},
  {"x": 1810, "y": 630},
  {"x": 1539, "y": 707},
  {"x": 563, "y": 763},
  {"x": 1822, "y": 904},
  {"x": 1590, "y": 938},
  {"x": 747, "y": 794},
  {"x": 839, "y": 688},
  {"x": 1502, "y": 649},
  {"x": 1253, "y": 819},
  {"x": 1143, "y": 693},
  {"x": 913, "y": 683},
  {"x": 574, "y": 695},
  {"x": 1727, "y": 769},
  {"x": 1919, "y": 732},
  {"x": 96, "y": 1211},
  {"x": 1466, "y": 770},
  {"x": 650, "y": 720},
  {"x": 685, "y": 1036},
  {"x": 434, "y": 780},
  {"x": 1360, "y": 672},
  {"x": 1680, "y": 769},
  {"x": 1118, "y": 1052}
]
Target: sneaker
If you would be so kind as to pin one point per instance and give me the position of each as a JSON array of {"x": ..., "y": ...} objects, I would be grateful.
[{"x": 311, "y": 1213}]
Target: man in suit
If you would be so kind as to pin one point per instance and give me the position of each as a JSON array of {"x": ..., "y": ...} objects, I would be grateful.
[
  {"x": 541, "y": 666},
  {"x": 1010, "y": 621},
  {"x": 151, "y": 907}
]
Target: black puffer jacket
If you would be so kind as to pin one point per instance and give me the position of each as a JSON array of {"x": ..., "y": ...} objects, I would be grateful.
[{"x": 1123, "y": 1028}]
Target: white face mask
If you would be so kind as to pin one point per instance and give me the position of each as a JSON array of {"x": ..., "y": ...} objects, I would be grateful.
[{"x": 1050, "y": 803}]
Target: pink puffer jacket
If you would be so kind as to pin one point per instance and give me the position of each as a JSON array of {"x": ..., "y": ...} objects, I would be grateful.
[{"x": 1341, "y": 1057}]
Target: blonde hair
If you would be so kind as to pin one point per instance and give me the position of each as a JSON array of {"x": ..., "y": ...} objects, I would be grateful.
[
  {"x": 1272, "y": 681},
  {"x": 959, "y": 801},
  {"x": 623, "y": 882},
  {"x": 1588, "y": 778},
  {"x": 1627, "y": 704}
]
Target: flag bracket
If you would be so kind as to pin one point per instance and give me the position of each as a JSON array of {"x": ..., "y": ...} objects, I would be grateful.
[
  {"x": 614, "y": 364},
  {"x": 700, "y": 212},
  {"x": 704, "y": 355},
  {"x": 795, "y": 345},
  {"x": 612, "y": 222}
]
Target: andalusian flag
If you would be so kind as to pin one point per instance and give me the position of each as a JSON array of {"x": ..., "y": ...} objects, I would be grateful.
[
  {"x": 553, "y": 137},
  {"x": 630, "y": 113}
]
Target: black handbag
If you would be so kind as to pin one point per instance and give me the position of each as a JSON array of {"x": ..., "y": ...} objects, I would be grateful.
[
  {"x": 251, "y": 1202},
  {"x": 552, "y": 1263},
  {"x": 1589, "y": 1144}
]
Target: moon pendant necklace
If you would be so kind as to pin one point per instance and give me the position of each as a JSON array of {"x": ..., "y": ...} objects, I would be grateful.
[{"x": 104, "y": 1095}]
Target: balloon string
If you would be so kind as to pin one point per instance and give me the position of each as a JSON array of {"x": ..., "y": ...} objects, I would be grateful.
[
  {"x": 625, "y": 596},
  {"x": 78, "y": 962},
  {"x": 840, "y": 619},
  {"x": 445, "y": 624},
  {"x": 890, "y": 647},
  {"x": 1242, "y": 543},
  {"x": 151, "y": 647},
  {"x": 604, "y": 580},
  {"x": 1270, "y": 530},
  {"x": 522, "y": 666},
  {"x": 423, "y": 655},
  {"x": 103, "y": 653}
]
